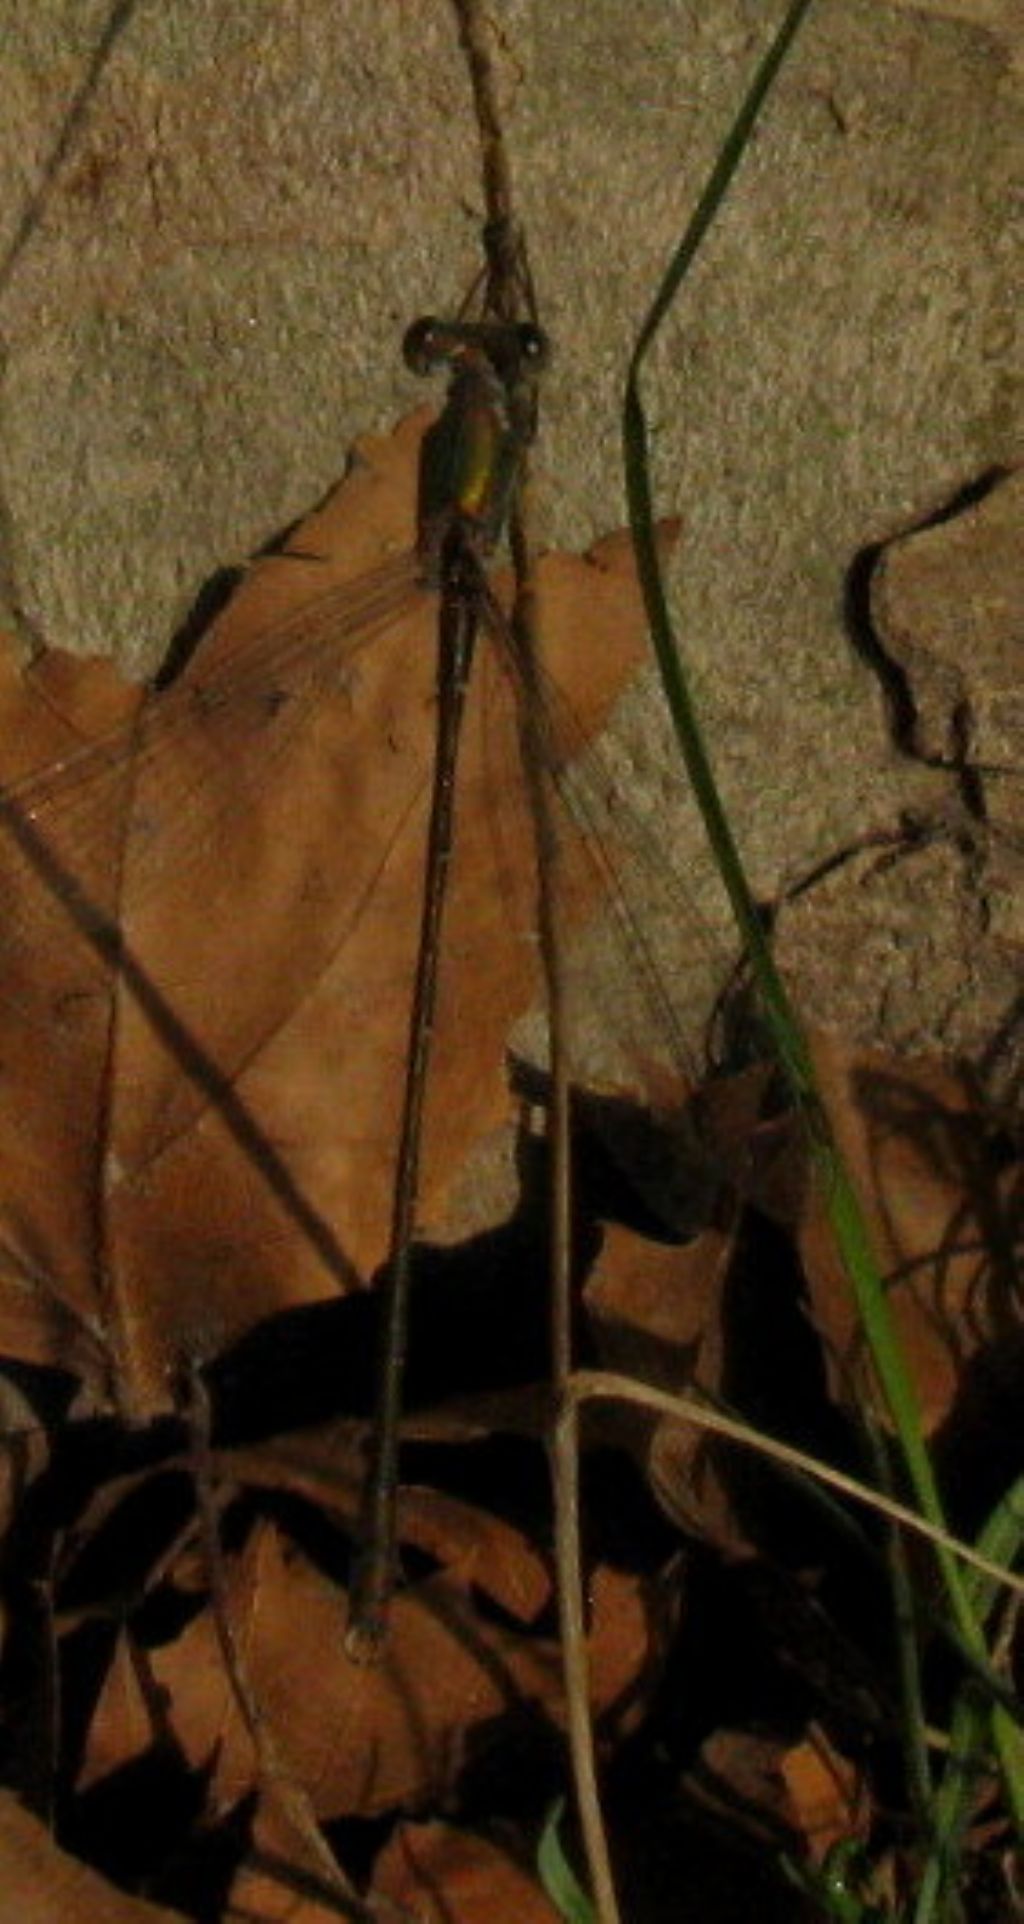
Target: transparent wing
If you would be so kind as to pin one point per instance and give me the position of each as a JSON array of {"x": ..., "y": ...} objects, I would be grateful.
[
  {"x": 643, "y": 967},
  {"x": 216, "y": 839},
  {"x": 204, "y": 747}
]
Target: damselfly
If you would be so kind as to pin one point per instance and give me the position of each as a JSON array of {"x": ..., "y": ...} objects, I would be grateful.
[
  {"x": 469, "y": 469},
  {"x": 226, "y": 728}
]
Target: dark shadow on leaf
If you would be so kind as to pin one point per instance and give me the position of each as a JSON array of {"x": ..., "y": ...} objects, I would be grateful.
[{"x": 108, "y": 944}]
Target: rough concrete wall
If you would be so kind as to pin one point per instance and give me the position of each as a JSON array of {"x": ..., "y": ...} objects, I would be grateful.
[{"x": 257, "y": 197}]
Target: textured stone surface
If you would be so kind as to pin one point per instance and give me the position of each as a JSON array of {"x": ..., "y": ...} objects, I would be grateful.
[{"x": 252, "y": 202}]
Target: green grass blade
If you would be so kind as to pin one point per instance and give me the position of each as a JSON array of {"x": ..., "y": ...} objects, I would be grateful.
[
  {"x": 557, "y": 1874},
  {"x": 846, "y": 1217},
  {"x": 975, "y": 1723}
]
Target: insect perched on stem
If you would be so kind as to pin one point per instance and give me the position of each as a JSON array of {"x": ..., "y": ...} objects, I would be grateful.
[{"x": 468, "y": 472}]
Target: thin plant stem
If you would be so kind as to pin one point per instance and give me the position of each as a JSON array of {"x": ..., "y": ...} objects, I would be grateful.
[
  {"x": 893, "y": 1388},
  {"x": 604, "y": 1385},
  {"x": 508, "y": 278}
]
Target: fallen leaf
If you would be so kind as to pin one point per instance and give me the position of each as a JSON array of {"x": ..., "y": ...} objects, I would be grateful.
[
  {"x": 941, "y": 1215},
  {"x": 658, "y": 1318},
  {"x": 942, "y": 1209},
  {"x": 359, "y": 1739},
  {"x": 826, "y": 1794},
  {"x": 739, "y": 1777},
  {"x": 208, "y": 1137},
  {"x": 285, "y": 1878},
  {"x": 327, "y": 1468},
  {"x": 448, "y": 1876},
  {"x": 660, "y": 1311},
  {"x": 39, "y": 1883}
]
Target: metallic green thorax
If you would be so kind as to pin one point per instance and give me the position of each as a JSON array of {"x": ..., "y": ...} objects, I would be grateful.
[{"x": 470, "y": 456}]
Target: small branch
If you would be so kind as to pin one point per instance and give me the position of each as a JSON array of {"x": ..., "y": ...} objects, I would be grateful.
[
  {"x": 601, "y": 1385},
  {"x": 509, "y": 293}
]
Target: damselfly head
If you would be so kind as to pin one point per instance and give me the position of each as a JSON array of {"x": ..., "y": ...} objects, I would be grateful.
[
  {"x": 427, "y": 343},
  {"x": 509, "y": 348}
]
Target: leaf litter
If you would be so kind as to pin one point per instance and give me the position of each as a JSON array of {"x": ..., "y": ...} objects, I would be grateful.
[
  {"x": 212, "y": 1193},
  {"x": 257, "y": 1057}
]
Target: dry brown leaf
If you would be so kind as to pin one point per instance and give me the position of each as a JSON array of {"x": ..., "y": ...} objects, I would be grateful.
[
  {"x": 268, "y": 1896},
  {"x": 24, "y": 1455},
  {"x": 448, "y": 1876},
  {"x": 358, "y": 1739},
  {"x": 282, "y": 1880},
  {"x": 213, "y": 1139},
  {"x": 826, "y": 1794},
  {"x": 40, "y": 1884},
  {"x": 739, "y": 1776},
  {"x": 942, "y": 1219},
  {"x": 327, "y": 1467},
  {"x": 657, "y": 1311}
]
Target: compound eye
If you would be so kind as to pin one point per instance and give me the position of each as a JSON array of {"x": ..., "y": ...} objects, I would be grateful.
[
  {"x": 423, "y": 346},
  {"x": 534, "y": 345}
]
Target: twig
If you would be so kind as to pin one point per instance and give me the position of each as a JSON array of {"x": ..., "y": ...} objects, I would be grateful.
[
  {"x": 508, "y": 276},
  {"x": 604, "y": 1386},
  {"x": 509, "y": 287}
]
